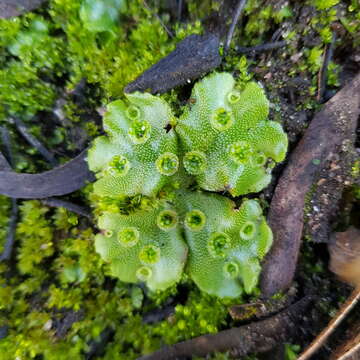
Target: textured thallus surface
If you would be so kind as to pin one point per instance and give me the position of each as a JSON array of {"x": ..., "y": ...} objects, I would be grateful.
[
  {"x": 206, "y": 267},
  {"x": 224, "y": 142},
  {"x": 241, "y": 172},
  {"x": 142, "y": 177},
  {"x": 125, "y": 261}
]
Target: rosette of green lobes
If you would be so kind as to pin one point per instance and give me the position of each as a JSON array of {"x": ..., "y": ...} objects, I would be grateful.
[
  {"x": 140, "y": 153},
  {"x": 227, "y": 140},
  {"x": 225, "y": 244},
  {"x": 146, "y": 246}
]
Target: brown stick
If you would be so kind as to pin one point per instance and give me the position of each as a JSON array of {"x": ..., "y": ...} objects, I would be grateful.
[
  {"x": 350, "y": 348},
  {"x": 328, "y": 132},
  {"x": 257, "y": 337},
  {"x": 334, "y": 323}
]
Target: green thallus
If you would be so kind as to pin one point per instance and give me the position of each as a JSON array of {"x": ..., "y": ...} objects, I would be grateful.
[{"x": 223, "y": 142}]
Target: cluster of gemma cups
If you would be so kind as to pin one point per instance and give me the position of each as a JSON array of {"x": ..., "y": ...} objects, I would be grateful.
[
  {"x": 194, "y": 220},
  {"x": 222, "y": 143}
]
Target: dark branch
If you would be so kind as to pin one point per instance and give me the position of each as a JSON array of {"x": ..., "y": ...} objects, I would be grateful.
[
  {"x": 261, "y": 48},
  {"x": 235, "y": 19},
  {"x": 60, "y": 181},
  {"x": 5, "y": 166},
  {"x": 158, "y": 315},
  {"x": 159, "y": 18},
  {"x": 334, "y": 125},
  {"x": 322, "y": 78},
  {"x": 7, "y": 160},
  {"x": 193, "y": 57},
  {"x": 33, "y": 141},
  {"x": 179, "y": 10},
  {"x": 54, "y": 202},
  {"x": 257, "y": 337},
  {"x": 10, "y": 237},
  {"x": 10, "y": 8}
]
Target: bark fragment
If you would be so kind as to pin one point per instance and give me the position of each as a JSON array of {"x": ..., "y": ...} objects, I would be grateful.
[
  {"x": 193, "y": 57},
  {"x": 60, "y": 181}
]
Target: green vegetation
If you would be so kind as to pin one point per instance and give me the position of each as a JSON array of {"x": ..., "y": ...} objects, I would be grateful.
[
  {"x": 56, "y": 271},
  {"x": 223, "y": 141}
]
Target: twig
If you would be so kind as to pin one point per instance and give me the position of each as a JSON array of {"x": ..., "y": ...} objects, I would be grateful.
[
  {"x": 354, "y": 351},
  {"x": 33, "y": 141},
  {"x": 257, "y": 337},
  {"x": 158, "y": 17},
  {"x": 4, "y": 165},
  {"x": 3, "y": 331},
  {"x": 238, "y": 10},
  {"x": 322, "y": 76},
  {"x": 54, "y": 202},
  {"x": 5, "y": 139},
  {"x": 324, "y": 137},
  {"x": 179, "y": 10},
  {"x": 344, "y": 262},
  {"x": 262, "y": 308},
  {"x": 350, "y": 349},
  {"x": 340, "y": 316},
  {"x": 276, "y": 35},
  {"x": 10, "y": 237},
  {"x": 61, "y": 180},
  {"x": 158, "y": 315},
  {"x": 261, "y": 48},
  {"x": 64, "y": 324}
]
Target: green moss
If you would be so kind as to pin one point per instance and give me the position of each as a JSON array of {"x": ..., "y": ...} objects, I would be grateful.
[
  {"x": 325, "y": 4},
  {"x": 63, "y": 49},
  {"x": 36, "y": 237},
  {"x": 43, "y": 55}
]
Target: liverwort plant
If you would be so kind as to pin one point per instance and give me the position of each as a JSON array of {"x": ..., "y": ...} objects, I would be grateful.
[
  {"x": 227, "y": 141},
  {"x": 222, "y": 142}
]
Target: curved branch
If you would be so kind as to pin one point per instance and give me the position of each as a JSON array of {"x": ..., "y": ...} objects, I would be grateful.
[
  {"x": 328, "y": 132},
  {"x": 60, "y": 181}
]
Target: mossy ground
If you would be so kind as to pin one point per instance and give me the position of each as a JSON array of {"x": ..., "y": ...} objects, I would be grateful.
[{"x": 56, "y": 298}]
